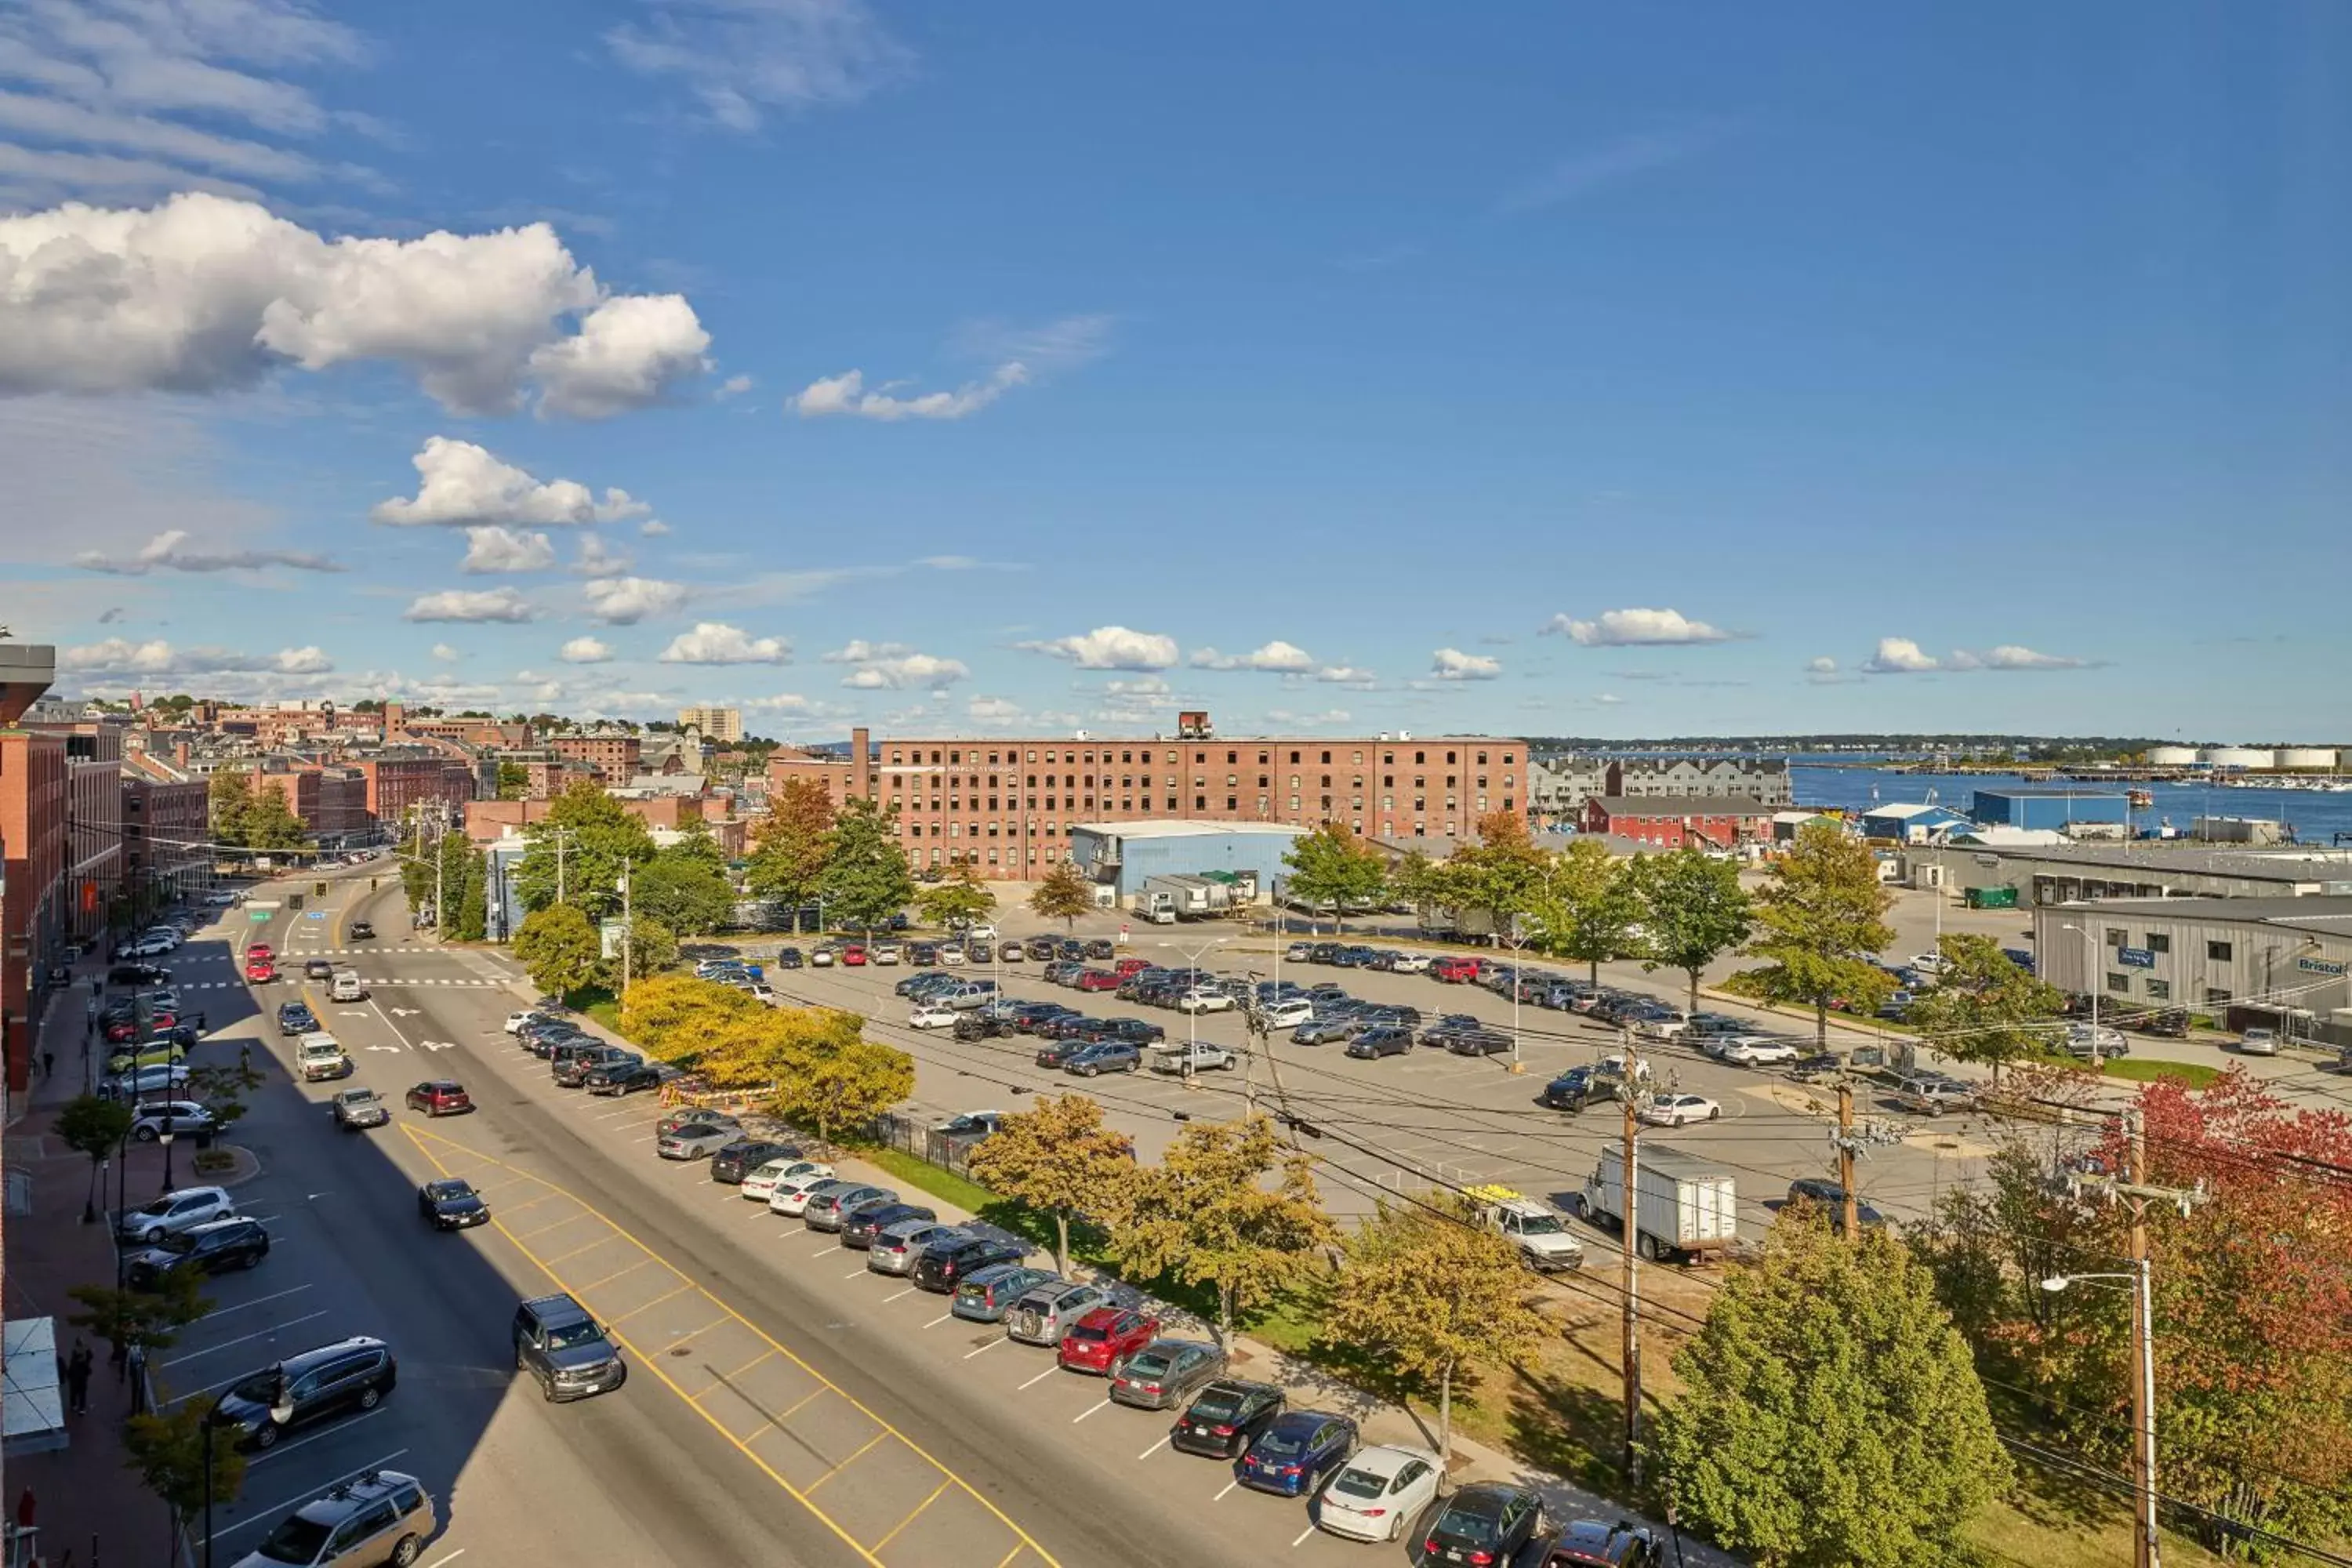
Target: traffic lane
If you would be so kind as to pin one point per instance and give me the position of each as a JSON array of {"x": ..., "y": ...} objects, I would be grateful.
[
  {"x": 709, "y": 1230},
  {"x": 614, "y": 1480}
]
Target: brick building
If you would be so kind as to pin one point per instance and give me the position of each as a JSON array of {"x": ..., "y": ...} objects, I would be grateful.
[
  {"x": 94, "y": 857},
  {"x": 33, "y": 794},
  {"x": 489, "y": 820},
  {"x": 1007, "y": 805},
  {"x": 1669, "y": 821},
  {"x": 398, "y": 781},
  {"x": 167, "y": 823},
  {"x": 614, "y": 757},
  {"x": 331, "y": 801}
]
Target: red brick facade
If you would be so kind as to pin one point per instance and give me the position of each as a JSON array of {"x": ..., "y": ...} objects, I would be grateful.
[
  {"x": 33, "y": 795},
  {"x": 1669, "y": 822},
  {"x": 612, "y": 756}
]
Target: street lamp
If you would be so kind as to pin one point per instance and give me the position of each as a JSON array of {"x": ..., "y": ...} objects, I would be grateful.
[
  {"x": 163, "y": 1136},
  {"x": 1192, "y": 1014},
  {"x": 2091, "y": 985},
  {"x": 2144, "y": 1344}
]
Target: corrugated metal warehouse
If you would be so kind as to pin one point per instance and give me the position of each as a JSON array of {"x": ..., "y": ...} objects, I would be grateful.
[{"x": 1121, "y": 854}]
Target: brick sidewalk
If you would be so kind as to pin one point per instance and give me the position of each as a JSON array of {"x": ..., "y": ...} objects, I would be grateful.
[{"x": 90, "y": 1508}]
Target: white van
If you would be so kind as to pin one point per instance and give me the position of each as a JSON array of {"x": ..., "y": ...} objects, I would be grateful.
[{"x": 346, "y": 988}]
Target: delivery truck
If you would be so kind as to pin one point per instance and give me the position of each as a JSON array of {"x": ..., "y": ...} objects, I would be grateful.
[{"x": 1684, "y": 1207}]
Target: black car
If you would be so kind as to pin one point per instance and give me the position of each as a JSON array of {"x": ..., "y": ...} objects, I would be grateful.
[
  {"x": 1066, "y": 1026},
  {"x": 1572, "y": 1090},
  {"x": 1059, "y": 1053},
  {"x": 359, "y": 930},
  {"x": 1483, "y": 1523},
  {"x": 1106, "y": 1056},
  {"x": 1589, "y": 1543},
  {"x": 621, "y": 1077},
  {"x": 745, "y": 1155},
  {"x": 211, "y": 1247},
  {"x": 571, "y": 1071},
  {"x": 1226, "y": 1417},
  {"x": 558, "y": 1342},
  {"x": 1478, "y": 1043},
  {"x": 350, "y": 1374},
  {"x": 861, "y": 1226},
  {"x": 1029, "y": 1016},
  {"x": 1130, "y": 1031},
  {"x": 790, "y": 958},
  {"x": 943, "y": 1269},
  {"x": 296, "y": 1018},
  {"x": 573, "y": 1045},
  {"x": 1820, "y": 1066},
  {"x": 973, "y": 1026},
  {"x": 1324, "y": 953},
  {"x": 1069, "y": 949},
  {"x": 923, "y": 954},
  {"x": 1100, "y": 947},
  {"x": 1038, "y": 947},
  {"x": 1381, "y": 1040},
  {"x": 451, "y": 1205},
  {"x": 137, "y": 974},
  {"x": 1829, "y": 1198}
]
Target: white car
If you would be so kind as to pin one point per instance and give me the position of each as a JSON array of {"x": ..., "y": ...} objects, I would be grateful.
[
  {"x": 1289, "y": 1014},
  {"x": 515, "y": 1021},
  {"x": 1756, "y": 1051},
  {"x": 1928, "y": 963},
  {"x": 1410, "y": 964},
  {"x": 980, "y": 934},
  {"x": 885, "y": 952},
  {"x": 761, "y": 1185},
  {"x": 1379, "y": 1492},
  {"x": 2259, "y": 1043},
  {"x": 1678, "y": 1109},
  {"x": 1205, "y": 1001},
  {"x": 821, "y": 958},
  {"x": 221, "y": 900},
  {"x": 791, "y": 1194},
  {"x": 952, "y": 953},
  {"x": 760, "y": 992},
  {"x": 930, "y": 1015}
]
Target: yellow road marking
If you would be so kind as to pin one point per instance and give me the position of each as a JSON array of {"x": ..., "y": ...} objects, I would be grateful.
[
  {"x": 862, "y": 1452},
  {"x": 589, "y": 1247},
  {"x": 650, "y": 1306},
  {"x": 541, "y": 1199},
  {"x": 608, "y": 1278},
  {"x": 748, "y": 1365},
  {"x": 912, "y": 1517},
  {"x": 1026, "y": 1542},
  {"x": 555, "y": 1224},
  {"x": 706, "y": 1328}
]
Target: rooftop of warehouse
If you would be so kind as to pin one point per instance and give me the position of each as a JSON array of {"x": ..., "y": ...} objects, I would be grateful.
[
  {"x": 2328, "y": 914},
  {"x": 1170, "y": 827}
]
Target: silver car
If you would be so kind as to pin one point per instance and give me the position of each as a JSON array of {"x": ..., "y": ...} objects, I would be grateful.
[
  {"x": 695, "y": 1140},
  {"x": 1164, "y": 1375},
  {"x": 895, "y": 1249},
  {"x": 1044, "y": 1315},
  {"x": 828, "y": 1206}
]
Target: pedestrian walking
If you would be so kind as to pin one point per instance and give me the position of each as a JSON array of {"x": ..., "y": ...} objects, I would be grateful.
[
  {"x": 137, "y": 1365},
  {"x": 48, "y": 1063},
  {"x": 78, "y": 1369}
]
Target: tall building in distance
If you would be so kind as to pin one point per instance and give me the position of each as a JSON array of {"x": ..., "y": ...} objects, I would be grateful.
[{"x": 716, "y": 723}]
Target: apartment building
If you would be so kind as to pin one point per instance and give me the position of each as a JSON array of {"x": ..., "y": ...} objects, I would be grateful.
[
  {"x": 723, "y": 724},
  {"x": 1008, "y": 805},
  {"x": 614, "y": 757},
  {"x": 166, "y": 824}
]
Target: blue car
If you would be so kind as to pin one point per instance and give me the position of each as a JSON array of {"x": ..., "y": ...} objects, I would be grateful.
[{"x": 1293, "y": 1457}]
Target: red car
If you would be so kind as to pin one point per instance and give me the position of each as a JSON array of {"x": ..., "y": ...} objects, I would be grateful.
[
  {"x": 123, "y": 1030},
  {"x": 1097, "y": 980},
  {"x": 259, "y": 951},
  {"x": 259, "y": 970},
  {"x": 1102, "y": 1336},
  {"x": 442, "y": 1096},
  {"x": 853, "y": 956},
  {"x": 1455, "y": 970},
  {"x": 1126, "y": 966}
]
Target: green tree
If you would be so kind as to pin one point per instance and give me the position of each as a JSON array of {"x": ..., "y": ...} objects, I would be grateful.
[
  {"x": 1983, "y": 1007},
  {"x": 689, "y": 895},
  {"x": 147, "y": 1320},
  {"x": 230, "y": 800},
  {"x": 463, "y": 887},
  {"x": 1332, "y": 865},
  {"x": 1693, "y": 910},
  {"x": 866, "y": 880},
  {"x": 652, "y": 947},
  {"x": 1819, "y": 917},
  {"x": 958, "y": 898},
  {"x": 1433, "y": 1295},
  {"x": 696, "y": 842},
  {"x": 582, "y": 842},
  {"x": 789, "y": 847},
  {"x": 1499, "y": 880},
  {"x": 1590, "y": 911},
  {"x": 557, "y": 948},
  {"x": 514, "y": 781},
  {"x": 675, "y": 1017},
  {"x": 1205, "y": 1215},
  {"x": 166, "y": 1447},
  {"x": 94, "y": 1128},
  {"x": 1059, "y": 1159},
  {"x": 1063, "y": 895},
  {"x": 831, "y": 1075},
  {"x": 1830, "y": 1417},
  {"x": 270, "y": 825},
  {"x": 221, "y": 1088}
]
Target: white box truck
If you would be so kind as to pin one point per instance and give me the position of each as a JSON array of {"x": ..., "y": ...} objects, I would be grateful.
[
  {"x": 1684, "y": 1207},
  {"x": 1187, "y": 897}
]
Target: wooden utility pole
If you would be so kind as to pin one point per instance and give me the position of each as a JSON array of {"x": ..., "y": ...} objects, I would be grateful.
[
  {"x": 1852, "y": 1203},
  {"x": 1628, "y": 1093}
]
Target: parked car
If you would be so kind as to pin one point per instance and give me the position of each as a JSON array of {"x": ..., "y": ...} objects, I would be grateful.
[
  {"x": 1225, "y": 1417},
  {"x": 895, "y": 1248},
  {"x": 618, "y": 1077},
  {"x": 1045, "y": 1313},
  {"x": 790, "y": 1195},
  {"x": 1381, "y": 1040},
  {"x": 1296, "y": 1453},
  {"x": 1481, "y": 1042},
  {"x": 697, "y": 1140},
  {"x": 451, "y": 1203},
  {"x": 829, "y": 1207},
  {"x": 1059, "y": 1053},
  {"x": 188, "y": 1119},
  {"x": 557, "y": 1342},
  {"x": 986, "y": 1295},
  {"x": 570, "y": 1069},
  {"x": 1829, "y": 1198},
  {"x": 1592, "y": 1543},
  {"x": 1677, "y": 1110},
  {"x": 943, "y": 1268},
  {"x": 868, "y": 1221},
  {"x": 182, "y": 1208},
  {"x": 744, "y": 1156},
  {"x": 440, "y": 1097},
  {"x": 1097, "y": 1341},
  {"x": 932, "y": 1015},
  {"x": 1106, "y": 1056},
  {"x": 761, "y": 1185},
  {"x": 1485, "y": 1522},
  {"x": 214, "y": 1246},
  {"x": 1756, "y": 1051},
  {"x": 1379, "y": 1491},
  {"x": 1931, "y": 1094},
  {"x": 315, "y": 1385},
  {"x": 2259, "y": 1042},
  {"x": 1163, "y": 1374},
  {"x": 1201, "y": 999},
  {"x": 375, "y": 1517}
]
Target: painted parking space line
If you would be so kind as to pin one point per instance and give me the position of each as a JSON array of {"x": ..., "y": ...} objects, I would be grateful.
[
  {"x": 275, "y": 1511},
  {"x": 1302, "y": 1537},
  {"x": 241, "y": 1306},
  {"x": 862, "y": 1271},
  {"x": 616, "y": 1273},
  {"x": 241, "y": 1339},
  {"x": 576, "y": 1251},
  {"x": 1043, "y": 1376},
  {"x": 942, "y": 1317},
  {"x": 1229, "y": 1486},
  {"x": 650, "y": 1306},
  {"x": 984, "y": 1349},
  {"x": 1156, "y": 1447},
  {"x": 341, "y": 1427},
  {"x": 911, "y": 1517},
  {"x": 908, "y": 1291},
  {"x": 867, "y": 1448},
  {"x": 1090, "y": 1410}
]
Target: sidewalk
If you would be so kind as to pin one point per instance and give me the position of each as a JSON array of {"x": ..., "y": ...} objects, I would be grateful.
[{"x": 87, "y": 1501}]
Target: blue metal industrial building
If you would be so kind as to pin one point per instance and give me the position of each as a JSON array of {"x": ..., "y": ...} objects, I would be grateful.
[
  {"x": 1121, "y": 854},
  {"x": 2049, "y": 808},
  {"x": 1911, "y": 821}
]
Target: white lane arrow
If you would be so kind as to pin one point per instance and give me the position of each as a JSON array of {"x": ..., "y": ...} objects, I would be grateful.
[
  {"x": 382, "y": 1047},
  {"x": 403, "y": 1012},
  {"x": 437, "y": 1044}
]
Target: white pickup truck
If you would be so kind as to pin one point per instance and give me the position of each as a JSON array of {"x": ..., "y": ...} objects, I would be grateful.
[
  {"x": 1206, "y": 1058},
  {"x": 1541, "y": 1235}
]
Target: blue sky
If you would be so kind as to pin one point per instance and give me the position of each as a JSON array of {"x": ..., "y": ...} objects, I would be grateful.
[{"x": 1516, "y": 369}]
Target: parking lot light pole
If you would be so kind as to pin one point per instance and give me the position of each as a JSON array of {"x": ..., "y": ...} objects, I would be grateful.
[
  {"x": 163, "y": 1136},
  {"x": 1192, "y": 1014},
  {"x": 2090, "y": 983}
]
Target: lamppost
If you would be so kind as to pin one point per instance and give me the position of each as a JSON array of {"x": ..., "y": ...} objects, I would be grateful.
[
  {"x": 163, "y": 1136},
  {"x": 1193, "y": 1013},
  {"x": 121, "y": 1203},
  {"x": 2089, "y": 983},
  {"x": 2146, "y": 1545}
]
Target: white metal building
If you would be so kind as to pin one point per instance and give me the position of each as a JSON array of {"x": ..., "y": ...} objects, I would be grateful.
[{"x": 2203, "y": 954}]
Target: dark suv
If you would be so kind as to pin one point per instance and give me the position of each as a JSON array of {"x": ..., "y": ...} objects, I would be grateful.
[
  {"x": 622, "y": 1078},
  {"x": 1589, "y": 1543},
  {"x": 1226, "y": 1417},
  {"x": 745, "y": 1155},
  {"x": 353, "y": 1374},
  {"x": 571, "y": 1071},
  {"x": 943, "y": 1269},
  {"x": 566, "y": 1350},
  {"x": 1487, "y": 1523},
  {"x": 207, "y": 1249}
]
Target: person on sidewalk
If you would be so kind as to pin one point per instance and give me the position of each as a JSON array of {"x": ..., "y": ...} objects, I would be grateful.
[{"x": 77, "y": 1370}]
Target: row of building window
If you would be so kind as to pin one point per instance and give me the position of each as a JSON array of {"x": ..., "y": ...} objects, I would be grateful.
[
  {"x": 955, "y": 758},
  {"x": 2155, "y": 990},
  {"x": 2159, "y": 942},
  {"x": 1129, "y": 781}
]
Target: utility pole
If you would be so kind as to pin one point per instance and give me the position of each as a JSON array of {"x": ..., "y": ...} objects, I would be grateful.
[
  {"x": 628, "y": 954},
  {"x": 1629, "y": 1095},
  {"x": 1852, "y": 1204}
]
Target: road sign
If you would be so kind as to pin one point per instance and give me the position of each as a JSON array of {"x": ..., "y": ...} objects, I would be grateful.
[
  {"x": 2136, "y": 957},
  {"x": 259, "y": 916}
]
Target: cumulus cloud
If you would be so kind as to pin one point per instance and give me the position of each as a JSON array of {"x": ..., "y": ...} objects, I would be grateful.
[
  {"x": 1345, "y": 675},
  {"x": 715, "y": 642},
  {"x": 1110, "y": 648},
  {"x": 496, "y": 549},
  {"x": 860, "y": 651},
  {"x": 912, "y": 670},
  {"x": 1822, "y": 667},
  {"x": 2008, "y": 656},
  {"x": 738, "y": 59},
  {"x": 447, "y": 654},
  {"x": 205, "y": 293},
  {"x": 1328, "y": 717},
  {"x": 1900, "y": 656},
  {"x": 846, "y": 395},
  {"x": 117, "y": 656},
  {"x": 1636, "y": 628},
  {"x": 459, "y": 484},
  {"x": 733, "y": 386},
  {"x": 471, "y": 604},
  {"x": 992, "y": 708},
  {"x": 597, "y": 559},
  {"x": 1453, "y": 664},
  {"x": 625, "y": 601},
  {"x": 167, "y": 552},
  {"x": 584, "y": 650},
  {"x": 653, "y": 528},
  {"x": 1277, "y": 657}
]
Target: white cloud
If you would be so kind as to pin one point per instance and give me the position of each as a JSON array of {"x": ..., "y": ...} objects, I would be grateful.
[
  {"x": 2008, "y": 656},
  {"x": 205, "y": 292},
  {"x": 1323, "y": 721},
  {"x": 471, "y": 604},
  {"x": 992, "y": 708},
  {"x": 653, "y": 528},
  {"x": 461, "y": 484},
  {"x": 447, "y": 654},
  {"x": 1063, "y": 345},
  {"x": 1453, "y": 664},
  {"x": 782, "y": 702},
  {"x": 914, "y": 669},
  {"x": 625, "y": 601},
  {"x": 116, "y": 655},
  {"x": 733, "y": 386},
  {"x": 1110, "y": 648},
  {"x": 584, "y": 650},
  {"x": 164, "y": 552},
  {"x": 496, "y": 549},
  {"x": 1345, "y": 675},
  {"x": 1822, "y": 667},
  {"x": 1900, "y": 656},
  {"x": 860, "y": 651},
  {"x": 715, "y": 642},
  {"x": 739, "y": 58},
  {"x": 1277, "y": 657},
  {"x": 1608, "y": 699},
  {"x": 1637, "y": 628},
  {"x": 847, "y": 394},
  {"x": 1621, "y": 158},
  {"x": 597, "y": 559}
]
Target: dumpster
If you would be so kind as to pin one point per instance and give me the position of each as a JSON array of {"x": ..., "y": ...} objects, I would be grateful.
[{"x": 1989, "y": 898}]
